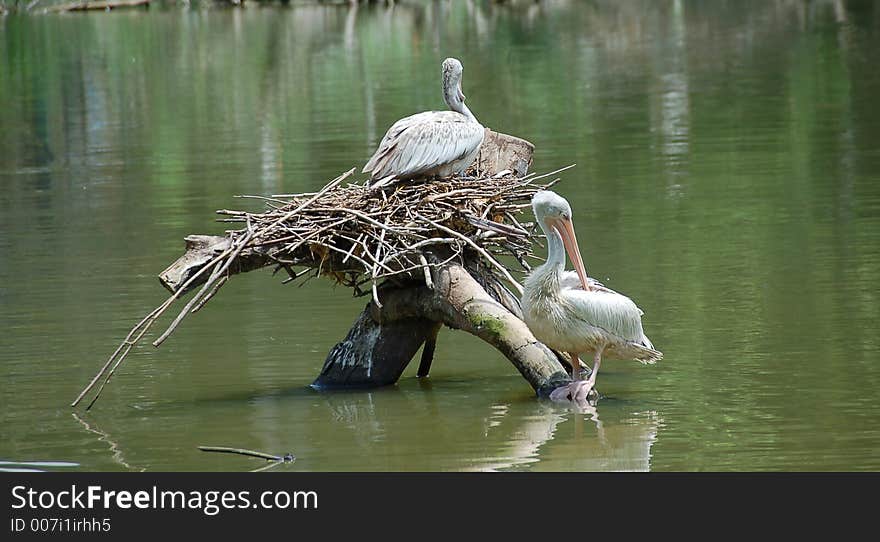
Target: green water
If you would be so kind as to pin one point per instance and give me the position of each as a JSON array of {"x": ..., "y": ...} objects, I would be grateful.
[{"x": 727, "y": 179}]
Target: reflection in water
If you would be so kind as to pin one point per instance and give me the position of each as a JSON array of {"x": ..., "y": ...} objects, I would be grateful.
[
  {"x": 517, "y": 435},
  {"x": 34, "y": 466},
  {"x": 592, "y": 445},
  {"x": 118, "y": 456}
]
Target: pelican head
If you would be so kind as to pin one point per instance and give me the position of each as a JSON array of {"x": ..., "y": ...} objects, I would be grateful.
[
  {"x": 553, "y": 214},
  {"x": 451, "y": 78}
]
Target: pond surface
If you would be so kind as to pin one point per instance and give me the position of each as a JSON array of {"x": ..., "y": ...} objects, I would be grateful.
[{"x": 727, "y": 179}]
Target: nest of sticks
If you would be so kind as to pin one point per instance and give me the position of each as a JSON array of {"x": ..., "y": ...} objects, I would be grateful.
[{"x": 360, "y": 236}]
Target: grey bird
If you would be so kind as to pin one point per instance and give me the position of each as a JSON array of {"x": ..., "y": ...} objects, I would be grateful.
[{"x": 433, "y": 143}]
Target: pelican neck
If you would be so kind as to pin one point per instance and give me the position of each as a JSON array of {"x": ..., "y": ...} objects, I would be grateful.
[{"x": 555, "y": 248}]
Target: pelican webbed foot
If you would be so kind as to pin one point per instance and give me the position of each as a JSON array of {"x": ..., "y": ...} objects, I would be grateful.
[{"x": 579, "y": 392}]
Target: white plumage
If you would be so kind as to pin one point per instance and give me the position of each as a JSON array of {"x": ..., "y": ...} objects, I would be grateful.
[
  {"x": 576, "y": 320},
  {"x": 440, "y": 143},
  {"x": 571, "y": 312}
]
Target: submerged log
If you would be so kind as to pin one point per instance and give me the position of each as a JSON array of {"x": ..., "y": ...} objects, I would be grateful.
[{"x": 388, "y": 333}]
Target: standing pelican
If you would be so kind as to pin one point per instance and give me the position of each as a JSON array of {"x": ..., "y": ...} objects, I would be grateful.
[
  {"x": 440, "y": 143},
  {"x": 573, "y": 313}
]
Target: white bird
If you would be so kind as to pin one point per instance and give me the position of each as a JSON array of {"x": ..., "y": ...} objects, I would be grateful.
[
  {"x": 440, "y": 143},
  {"x": 573, "y": 313}
]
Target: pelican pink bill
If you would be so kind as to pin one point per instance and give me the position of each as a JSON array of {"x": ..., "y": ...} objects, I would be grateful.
[{"x": 570, "y": 312}]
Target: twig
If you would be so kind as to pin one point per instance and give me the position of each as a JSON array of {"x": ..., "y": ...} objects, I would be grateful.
[
  {"x": 138, "y": 331},
  {"x": 429, "y": 282},
  {"x": 210, "y": 294},
  {"x": 479, "y": 249},
  {"x": 545, "y": 175},
  {"x": 330, "y": 185},
  {"x": 242, "y": 451},
  {"x": 376, "y": 265}
]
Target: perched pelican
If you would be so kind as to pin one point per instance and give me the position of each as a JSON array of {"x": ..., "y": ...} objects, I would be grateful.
[
  {"x": 573, "y": 313},
  {"x": 440, "y": 143}
]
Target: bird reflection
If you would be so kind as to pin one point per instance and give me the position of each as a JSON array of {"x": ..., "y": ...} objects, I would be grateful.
[
  {"x": 541, "y": 441},
  {"x": 421, "y": 429}
]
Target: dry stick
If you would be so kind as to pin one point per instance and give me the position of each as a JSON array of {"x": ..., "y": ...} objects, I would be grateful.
[
  {"x": 251, "y": 235},
  {"x": 241, "y": 451},
  {"x": 304, "y": 194},
  {"x": 302, "y": 240},
  {"x": 143, "y": 326},
  {"x": 362, "y": 262},
  {"x": 354, "y": 245},
  {"x": 147, "y": 322},
  {"x": 320, "y": 193},
  {"x": 296, "y": 275},
  {"x": 429, "y": 282},
  {"x": 264, "y": 198},
  {"x": 377, "y": 262},
  {"x": 513, "y": 219},
  {"x": 414, "y": 246},
  {"x": 279, "y": 240},
  {"x": 217, "y": 272},
  {"x": 399, "y": 253},
  {"x": 207, "y": 286},
  {"x": 411, "y": 269},
  {"x": 479, "y": 249},
  {"x": 267, "y": 466},
  {"x": 403, "y": 230},
  {"x": 126, "y": 342},
  {"x": 439, "y": 195},
  {"x": 210, "y": 294},
  {"x": 415, "y": 267},
  {"x": 375, "y": 266},
  {"x": 545, "y": 175}
]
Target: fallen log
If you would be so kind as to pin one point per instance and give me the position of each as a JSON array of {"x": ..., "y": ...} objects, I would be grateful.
[
  {"x": 383, "y": 340},
  {"x": 99, "y": 5},
  {"x": 427, "y": 250}
]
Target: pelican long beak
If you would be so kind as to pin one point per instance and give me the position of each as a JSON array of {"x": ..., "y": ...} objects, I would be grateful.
[{"x": 565, "y": 228}]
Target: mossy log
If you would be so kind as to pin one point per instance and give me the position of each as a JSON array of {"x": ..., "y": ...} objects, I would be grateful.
[
  {"x": 386, "y": 337},
  {"x": 383, "y": 340}
]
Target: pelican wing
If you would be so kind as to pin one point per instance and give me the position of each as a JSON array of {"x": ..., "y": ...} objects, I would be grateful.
[
  {"x": 571, "y": 281},
  {"x": 615, "y": 314},
  {"x": 423, "y": 142}
]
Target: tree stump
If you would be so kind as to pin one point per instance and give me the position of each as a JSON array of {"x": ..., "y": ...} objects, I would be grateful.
[{"x": 500, "y": 151}]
